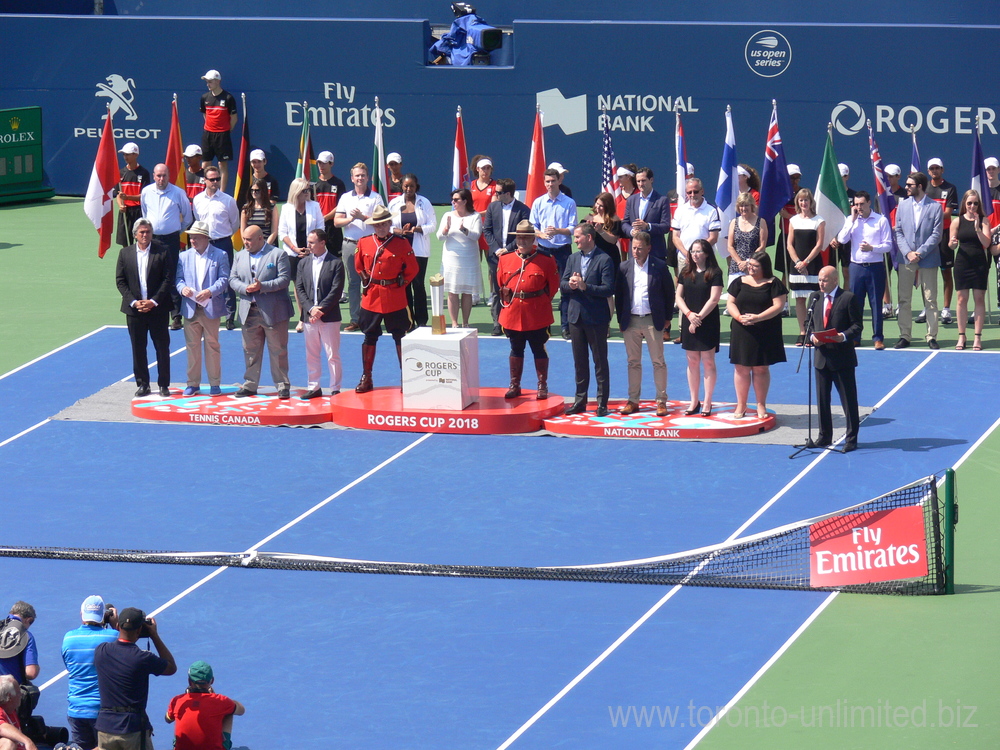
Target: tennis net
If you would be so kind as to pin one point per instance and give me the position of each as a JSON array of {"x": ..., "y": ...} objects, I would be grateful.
[{"x": 892, "y": 544}]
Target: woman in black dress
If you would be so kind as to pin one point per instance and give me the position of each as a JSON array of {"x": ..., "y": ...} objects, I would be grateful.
[
  {"x": 755, "y": 304},
  {"x": 970, "y": 239},
  {"x": 699, "y": 288},
  {"x": 609, "y": 231}
]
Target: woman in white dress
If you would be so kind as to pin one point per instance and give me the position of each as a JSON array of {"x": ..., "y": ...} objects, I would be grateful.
[
  {"x": 806, "y": 240},
  {"x": 459, "y": 231}
]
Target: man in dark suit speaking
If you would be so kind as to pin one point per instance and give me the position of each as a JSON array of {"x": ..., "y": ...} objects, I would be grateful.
[
  {"x": 144, "y": 275},
  {"x": 586, "y": 284},
  {"x": 836, "y": 318}
]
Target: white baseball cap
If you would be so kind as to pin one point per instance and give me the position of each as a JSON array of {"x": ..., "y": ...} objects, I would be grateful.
[
  {"x": 257, "y": 155},
  {"x": 484, "y": 163},
  {"x": 690, "y": 169},
  {"x": 935, "y": 162},
  {"x": 92, "y": 609},
  {"x": 623, "y": 171},
  {"x": 558, "y": 167},
  {"x": 844, "y": 170},
  {"x": 212, "y": 75},
  {"x": 393, "y": 157},
  {"x": 192, "y": 150},
  {"x": 794, "y": 169},
  {"x": 992, "y": 162},
  {"x": 893, "y": 169},
  {"x": 325, "y": 156},
  {"x": 129, "y": 148}
]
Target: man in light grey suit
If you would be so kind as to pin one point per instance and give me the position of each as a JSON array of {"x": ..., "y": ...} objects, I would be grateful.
[
  {"x": 919, "y": 222},
  {"x": 260, "y": 277},
  {"x": 202, "y": 281}
]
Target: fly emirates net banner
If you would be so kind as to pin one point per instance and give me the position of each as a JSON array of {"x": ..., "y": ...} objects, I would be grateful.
[{"x": 861, "y": 548}]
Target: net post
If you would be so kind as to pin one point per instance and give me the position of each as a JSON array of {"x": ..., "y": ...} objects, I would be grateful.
[{"x": 949, "y": 531}]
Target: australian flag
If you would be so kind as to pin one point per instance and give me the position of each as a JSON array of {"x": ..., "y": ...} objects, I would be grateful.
[
  {"x": 609, "y": 168},
  {"x": 886, "y": 200},
  {"x": 775, "y": 184}
]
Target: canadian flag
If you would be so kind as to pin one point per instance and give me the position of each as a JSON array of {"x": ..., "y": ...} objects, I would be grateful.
[
  {"x": 98, "y": 203},
  {"x": 536, "y": 163}
]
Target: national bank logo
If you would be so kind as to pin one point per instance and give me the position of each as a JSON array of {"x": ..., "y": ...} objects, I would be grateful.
[
  {"x": 848, "y": 117},
  {"x": 120, "y": 93},
  {"x": 768, "y": 53},
  {"x": 569, "y": 114}
]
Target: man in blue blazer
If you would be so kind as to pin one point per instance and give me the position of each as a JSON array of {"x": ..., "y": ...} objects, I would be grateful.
[
  {"x": 919, "y": 222},
  {"x": 586, "y": 284},
  {"x": 319, "y": 284},
  {"x": 202, "y": 281},
  {"x": 260, "y": 276},
  {"x": 499, "y": 225},
  {"x": 648, "y": 211},
  {"x": 644, "y": 301}
]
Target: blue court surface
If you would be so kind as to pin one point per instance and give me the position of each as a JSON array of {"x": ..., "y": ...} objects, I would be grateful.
[{"x": 374, "y": 661}]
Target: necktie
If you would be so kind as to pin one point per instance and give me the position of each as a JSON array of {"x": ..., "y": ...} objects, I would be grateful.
[{"x": 826, "y": 311}]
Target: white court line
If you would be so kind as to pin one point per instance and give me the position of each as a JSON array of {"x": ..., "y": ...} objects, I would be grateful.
[
  {"x": 24, "y": 432},
  {"x": 269, "y": 537},
  {"x": 635, "y": 626},
  {"x": 36, "y": 360},
  {"x": 760, "y": 672}
]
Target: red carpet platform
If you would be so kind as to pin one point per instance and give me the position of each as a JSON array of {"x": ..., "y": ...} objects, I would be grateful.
[
  {"x": 644, "y": 424},
  {"x": 382, "y": 409},
  {"x": 262, "y": 409}
]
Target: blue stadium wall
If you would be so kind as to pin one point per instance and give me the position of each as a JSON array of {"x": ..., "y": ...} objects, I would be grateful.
[{"x": 72, "y": 66}]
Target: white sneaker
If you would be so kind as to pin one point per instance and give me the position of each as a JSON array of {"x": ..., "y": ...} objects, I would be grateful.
[
  {"x": 887, "y": 311},
  {"x": 945, "y": 317},
  {"x": 922, "y": 318}
]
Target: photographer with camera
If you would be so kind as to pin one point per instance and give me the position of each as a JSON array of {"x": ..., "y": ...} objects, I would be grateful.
[
  {"x": 123, "y": 671},
  {"x": 100, "y": 625}
]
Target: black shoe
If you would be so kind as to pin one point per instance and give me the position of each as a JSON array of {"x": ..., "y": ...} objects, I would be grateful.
[
  {"x": 230, "y": 323},
  {"x": 315, "y": 393},
  {"x": 497, "y": 330},
  {"x": 820, "y": 443},
  {"x": 602, "y": 411},
  {"x": 142, "y": 390},
  {"x": 579, "y": 407},
  {"x": 175, "y": 324},
  {"x": 284, "y": 393},
  {"x": 695, "y": 410},
  {"x": 164, "y": 391},
  {"x": 245, "y": 393},
  {"x": 932, "y": 344},
  {"x": 901, "y": 344},
  {"x": 850, "y": 447},
  {"x": 565, "y": 333}
]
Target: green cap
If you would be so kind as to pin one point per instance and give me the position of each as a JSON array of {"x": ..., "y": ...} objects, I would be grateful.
[{"x": 201, "y": 671}]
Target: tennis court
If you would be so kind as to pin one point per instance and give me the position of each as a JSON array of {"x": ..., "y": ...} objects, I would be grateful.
[{"x": 400, "y": 661}]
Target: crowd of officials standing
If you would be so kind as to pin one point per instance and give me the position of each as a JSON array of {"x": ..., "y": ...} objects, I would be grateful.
[{"x": 642, "y": 258}]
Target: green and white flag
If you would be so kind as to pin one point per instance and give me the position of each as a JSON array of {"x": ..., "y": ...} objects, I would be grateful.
[
  {"x": 831, "y": 195},
  {"x": 378, "y": 158}
]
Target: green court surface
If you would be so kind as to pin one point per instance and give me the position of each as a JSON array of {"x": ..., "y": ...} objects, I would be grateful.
[{"x": 868, "y": 672}]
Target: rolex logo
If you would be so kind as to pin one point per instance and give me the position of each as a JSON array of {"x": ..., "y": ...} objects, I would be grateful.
[{"x": 15, "y": 123}]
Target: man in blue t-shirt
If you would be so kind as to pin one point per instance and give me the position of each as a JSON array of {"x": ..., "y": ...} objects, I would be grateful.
[
  {"x": 123, "y": 671},
  {"x": 78, "y": 647}
]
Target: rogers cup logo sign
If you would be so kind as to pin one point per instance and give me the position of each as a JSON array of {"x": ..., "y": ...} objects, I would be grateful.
[{"x": 859, "y": 548}]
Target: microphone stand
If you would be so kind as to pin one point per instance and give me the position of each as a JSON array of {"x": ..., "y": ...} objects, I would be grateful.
[{"x": 809, "y": 445}]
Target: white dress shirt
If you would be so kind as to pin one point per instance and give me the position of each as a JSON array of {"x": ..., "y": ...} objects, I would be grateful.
[
  {"x": 219, "y": 211},
  {"x": 640, "y": 289}
]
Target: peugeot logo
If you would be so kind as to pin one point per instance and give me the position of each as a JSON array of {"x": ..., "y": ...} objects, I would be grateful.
[{"x": 853, "y": 112}]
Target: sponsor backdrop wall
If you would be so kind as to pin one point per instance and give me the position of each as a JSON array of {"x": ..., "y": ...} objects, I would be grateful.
[{"x": 74, "y": 66}]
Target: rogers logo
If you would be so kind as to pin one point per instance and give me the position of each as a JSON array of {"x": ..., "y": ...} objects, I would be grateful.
[{"x": 851, "y": 112}]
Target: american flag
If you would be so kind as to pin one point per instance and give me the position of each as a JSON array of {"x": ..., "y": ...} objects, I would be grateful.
[
  {"x": 886, "y": 200},
  {"x": 609, "y": 167}
]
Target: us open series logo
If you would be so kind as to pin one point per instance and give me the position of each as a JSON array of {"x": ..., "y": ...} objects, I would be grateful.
[{"x": 768, "y": 53}]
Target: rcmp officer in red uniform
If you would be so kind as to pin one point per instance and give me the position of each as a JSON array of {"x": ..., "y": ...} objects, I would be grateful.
[
  {"x": 527, "y": 280},
  {"x": 386, "y": 264}
]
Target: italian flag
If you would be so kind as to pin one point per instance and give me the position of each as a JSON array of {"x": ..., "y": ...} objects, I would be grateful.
[{"x": 831, "y": 195}]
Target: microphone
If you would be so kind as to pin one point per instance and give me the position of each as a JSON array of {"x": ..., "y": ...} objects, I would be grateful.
[{"x": 813, "y": 299}]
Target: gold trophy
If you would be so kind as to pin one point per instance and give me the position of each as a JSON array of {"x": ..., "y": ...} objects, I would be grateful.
[{"x": 437, "y": 303}]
